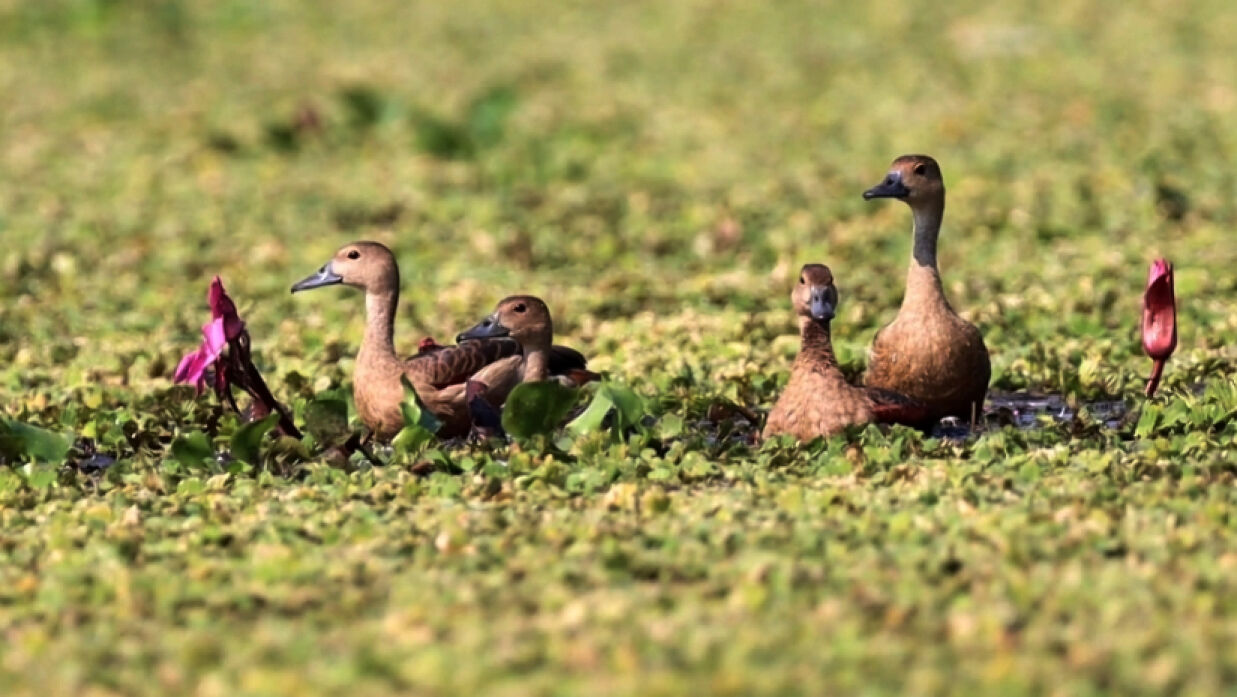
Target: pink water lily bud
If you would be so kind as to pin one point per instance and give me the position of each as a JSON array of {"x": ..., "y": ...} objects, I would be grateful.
[
  {"x": 221, "y": 306},
  {"x": 1159, "y": 325},
  {"x": 225, "y": 326}
]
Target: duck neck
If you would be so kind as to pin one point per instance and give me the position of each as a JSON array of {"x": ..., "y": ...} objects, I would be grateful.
[
  {"x": 815, "y": 343},
  {"x": 536, "y": 363},
  {"x": 923, "y": 278},
  {"x": 379, "y": 339}
]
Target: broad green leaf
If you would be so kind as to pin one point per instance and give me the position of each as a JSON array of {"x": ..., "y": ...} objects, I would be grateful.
[
  {"x": 191, "y": 449},
  {"x": 630, "y": 405},
  {"x": 19, "y": 441},
  {"x": 22, "y": 441},
  {"x": 247, "y": 441},
  {"x": 414, "y": 410},
  {"x": 594, "y": 415},
  {"x": 627, "y": 405},
  {"x": 1146, "y": 421},
  {"x": 535, "y": 408}
]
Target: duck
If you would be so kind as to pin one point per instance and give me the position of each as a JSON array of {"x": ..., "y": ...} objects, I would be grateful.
[
  {"x": 527, "y": 320},
  {"x": 927, "y": 352},
  {"x": 818, "y": 400},
  {"x": 438, "y": 373}
]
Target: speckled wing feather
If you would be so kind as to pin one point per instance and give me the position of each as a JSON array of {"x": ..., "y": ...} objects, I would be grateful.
[
  {"x": 564, "y": 359},
  {"x": 452, "y": 365}
]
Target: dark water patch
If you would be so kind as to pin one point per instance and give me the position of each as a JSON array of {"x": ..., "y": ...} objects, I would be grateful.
[
  {"x": 1025, "y": 410},
  {"x": 85, "y": 457}
]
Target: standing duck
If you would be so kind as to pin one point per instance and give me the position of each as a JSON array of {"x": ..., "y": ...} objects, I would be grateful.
[
  {"x": 818, "y": 401},
  {"x": 438, "y": 373},
  {"x": 927, "y": 352},
  {"x": 526, "y": 319}
]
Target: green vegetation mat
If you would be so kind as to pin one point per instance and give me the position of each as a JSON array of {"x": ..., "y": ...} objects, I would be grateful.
[{"x": 657, "y": 171}]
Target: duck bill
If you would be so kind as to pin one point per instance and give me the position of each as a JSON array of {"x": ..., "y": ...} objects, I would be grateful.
[
  {"x": 891, "y": 187},
  {"x": 488, "y": 328},
  {"x": 324, "y": 277},
  {"x": 821, "y": 310},
  {"x": 1159, "y": 325}
]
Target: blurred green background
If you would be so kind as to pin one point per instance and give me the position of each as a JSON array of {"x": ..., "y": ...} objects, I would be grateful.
[{"x": 658, "y": 171}]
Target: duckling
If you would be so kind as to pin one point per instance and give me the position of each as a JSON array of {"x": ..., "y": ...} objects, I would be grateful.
[
  {"x": 818, "y": 400},
  {"x": 438, "y": 373},
  {"x": 526, "y": 319},
  {"x": 927, "y": 352}
]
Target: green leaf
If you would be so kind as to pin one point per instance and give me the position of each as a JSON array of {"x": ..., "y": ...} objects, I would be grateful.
[
  {"x": 41, "y": 477},
  {"x": 414, "y": 410},
  {"x": 327, "y": 420},
  {"x": 191, "y": 449},
  {"x": 592, "y": 417},
  {"x": 535, "y": 408},
  {"x": 247, "y": 441},
  {"x": 670, "y": 426},
  {"x": 1146, "y": 421},
  {"x": 411, "y": 439},
  {"x": 628, "y": 406},
  {"x": 22, "y": 441}
]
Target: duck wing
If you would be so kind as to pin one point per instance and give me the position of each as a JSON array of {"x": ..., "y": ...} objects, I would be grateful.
[
  {"x": 889, "y": 407},
  {"x": 565, "y": 358},
  {"x": 452, "y": 365},
  {"x": 570, "y": 366}
]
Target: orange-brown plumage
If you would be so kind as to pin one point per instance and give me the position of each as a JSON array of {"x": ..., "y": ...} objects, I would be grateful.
[
  {"x": 818, "y": 401},
  {"x": 928, "y": 352},
  {"x": 438, "y": 373},
  {"x": 526, "y": 320}
]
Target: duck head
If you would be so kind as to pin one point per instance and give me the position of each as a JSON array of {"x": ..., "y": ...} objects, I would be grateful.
[
  {"x": 815, "y": 297},
  {"x": 369, "y": 266},
  {"x": 522, "y": 317},
  {"x": 911, "y": 178},
  {"x": 1159, "y": 325}
]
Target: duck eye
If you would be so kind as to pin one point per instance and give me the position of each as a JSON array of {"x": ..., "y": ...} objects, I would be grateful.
[
  {"x": 921, "y": 169},
  {"x": 520, "y": 307},
  {"x": 354, "y": 254}
]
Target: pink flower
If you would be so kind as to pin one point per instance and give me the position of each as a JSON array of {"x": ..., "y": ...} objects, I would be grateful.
[
  {"x": 225, "y": 326},
  {"x": 225, "y": 346},
  {"x": 192, "y": 367},
  {"x": 222, "y": 307},
  {"x": 1159, "y": 326}
]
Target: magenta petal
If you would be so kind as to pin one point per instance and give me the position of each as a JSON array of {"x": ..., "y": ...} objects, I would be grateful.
[
  {"x": 213, "y": 337},
  {"x": 221, "y": 306},
  {"x": 193, "y": 366}
]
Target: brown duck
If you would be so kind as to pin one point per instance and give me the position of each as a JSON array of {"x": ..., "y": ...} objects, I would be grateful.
[
  {"x": 928, "y": 352},
  {"x": 438, "y": 373},
  {"x": 818, "y": 401},
  {"x": 526, "y": 319}
]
